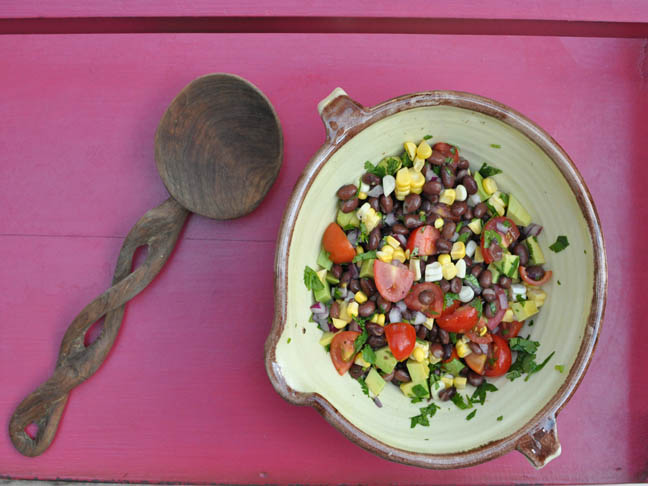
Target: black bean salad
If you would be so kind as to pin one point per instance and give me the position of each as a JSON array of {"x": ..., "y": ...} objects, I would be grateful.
[{"x": 426, "y": 279}]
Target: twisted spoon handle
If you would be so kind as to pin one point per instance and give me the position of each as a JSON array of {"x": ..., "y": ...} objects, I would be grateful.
[{"x": 158, "y": 229}]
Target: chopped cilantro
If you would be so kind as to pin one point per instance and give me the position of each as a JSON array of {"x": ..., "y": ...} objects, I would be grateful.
[
  {"x": 463, "y": 237},
  {"x": 488, "y": 170},
  {"x": 453, "y": 150},
  {"x": 453, "y": 337},
  {"x": 558, "y": 282},
  {"x": 525, "y": 363},
  {"x": 437, "y": 170},
  {"x": 493, "y": 307},
  {"x": 495, "y": 145},
  {"x": 311, "y": 280},
  {"x": 289, "y": 339},
  {"x": 479, "y": 396},
  {"x": 458, "y": 400},
  {"x": 499, "y": 419},
  {"x": 560, "y": 244},
  {"x": 422, "y": 216},
  {"x": 560, "y": 368},
  {"x": 449, "y": 160},
  {"x": 519, "y": 298},
  {"x": 415, "y": 252},
  {"x": 449, "y": 298},
  {"x": 531, "y": 323},
  {"x": 375, "y": 170},
  {"x": 471, "y": 415},
  {"x": 369, "y": 355},
  {"x": 472, "y": 280},
  {"x": 477, "y": 304},
  {"x": 327, "y": 348},
  {"x": 368, "y": 255},
  {"x": 364, "y": 233},
  {"x": 521, "y": 344},
  {"x": 419, "y": 391},
  {"x": 362, "y": 338},
  {"x": 489, "y": 236},
  {"x": 422, "y": 419},
  {"x": 405, "y": 159},
  {"x": 427, "y": 137},
  {"x": 363, "y": 385}
]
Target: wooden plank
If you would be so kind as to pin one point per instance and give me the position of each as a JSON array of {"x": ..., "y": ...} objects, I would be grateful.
[{"x": 183, "y": 396}]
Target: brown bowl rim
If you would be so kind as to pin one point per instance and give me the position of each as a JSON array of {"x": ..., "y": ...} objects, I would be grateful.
[{"x": 335, "y": 140}]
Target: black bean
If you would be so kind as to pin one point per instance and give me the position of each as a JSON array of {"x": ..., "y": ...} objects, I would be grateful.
[
  {"x": 480, "y": 210},
  {"x": 354, "y": 326},
  {"x": 461, "y": 173},
  {"x": 401, "y": 239},
  {"x": 491, "y": 309},
  {"x": 383, "y": 305},
  {"x": 356, "y": 371},
  {"x": 407, "y": 314},
  {"x": 443, "y": 245},
  {"x": 426, "y": 207},
  {"x": 345, "y": 278},
  {"x": 426, "y": 297},
  {"x": 495, "y": 251},
  {"x": 422, "y": 264},
  {"x": 402, "y": 376},
  {"x": 389, "y": 376},
  {"x": 347, "y": 192},
  {"x": 477, "y": 270},
  {"x": 445, "y": 286},
  {"x": 433, "y": 198},
  {"x": 465, "y": 229},
  {"x": 371, "y": 179},
  {"x": 398, "y": 210},
  {"x": 411, "y": 203},
  {"x": 353, "y": 269},
  {"x": 412, "y": 221},
  {"x": 464, "y": 371},
  {"x": 367, "y": 308},
  {"x": 436, "y": 350},
  {"x": 432, "y": 187},
  {"x": 437, "y": 158},
  {"x": 485, "y": 279},
  {"x": 375, "y": 329},
  {"x": 470, "y": 184},
  {"x": 463, "y": 163},
  {"x": 432, "y": 333},
  {"x": 475, "y": 348},
  {"x": 521, "y": 250},
  {"x": 535, "y": 272},
  {"x": 374, "y": 203},
  {"x": 447, "y": 393},
  {"x": 455, "y": 285},
  {"x": 354, "y": 285},
  {"x": 488, "y": 295},
  {"x": 459, "y": 208},
  {"x": 448, "y": 230},
  {"x": 377, "y": 341},
  {"x": 399, "y": 229},
  {"x": 349, "y": 205},
  {"x": 468, "y": 261},
  {"x": 374, "y": 239},
  {"x": 335, "y": 310},
  {"x": 505, "y": 281},
  {"x": 386, "y": 204},
  {"x": 336, "y": 270},
  {"x": 468, "y": 215},
  {"x": 475, "y": 379},
  {"x": 367, "y": 286},
  {"x": 448, "y": 176},
  {"x": 421, "y": 333},
  {"x": 444, "y": 337}
]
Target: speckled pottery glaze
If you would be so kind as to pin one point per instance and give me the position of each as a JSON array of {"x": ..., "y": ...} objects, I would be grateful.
[{"x": 544, "y": 179}]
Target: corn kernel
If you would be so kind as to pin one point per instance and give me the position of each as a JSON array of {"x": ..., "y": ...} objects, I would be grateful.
[
  {"x": 463, "y": 349},
  {"x": 458, "y": 250},
  {"x": 399, "y": 255},
  {"x": 407, "y": 255},
  {"x": 449, "y": 271},
  {"x": 403, "y": 178},
  {"x": 483, "y": 330},
  {"x": 387, "y": 249},
  {"x": 410, "y": 148},
  {"x": 393, "y": 242},
  {"x": 417, "y": 181},
  {"x": 447, "y": 196},
  {"x": 352, "y": 309},
  {"x": 459, "y": 382},
  {"x": 429, "y": 323},
  {"x": 438, "y": 223},
  {"x": 374, "y": 318},
  {"x": 338, "y": 323},
  {"x": 418, "y": 164},
  {"x": 359, "y": 250},
  {"x": 384, "y": 256},
  {"x": 418, "y": 354},
  {"x": 444, "y": 259},
  {"x": 478, "y": 258},
  {"x": 508, "y": 316},
  {"x": 476, "y": 226},
  {"x": 424, "y": 150},
  {"x": 489, "y": 185},
  {"x": 381, "y": 320},
  {"x": 360, "y": 297},
  {"x": 362, "y": 195},
  {"x": 448, "y": 380}
]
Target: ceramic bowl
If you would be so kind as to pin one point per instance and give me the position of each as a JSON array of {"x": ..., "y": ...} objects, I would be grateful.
[{"x": 542, "y": 176}]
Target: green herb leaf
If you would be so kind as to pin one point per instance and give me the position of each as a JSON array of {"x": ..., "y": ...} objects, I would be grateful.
[
  {"x": 560, "y": 244},
  {"x": 453, "y": 337},
  {"x": 419, "y": 391},
  {"x": 464, "y": 237},
  {"x": 427, "y": 137},
  {"x": 426, "y": 413},
  {"x": 558, "y": 282},
  {"x": 489, "y": 236},
  {"x": 311, "y": 280},
  {"x": 479, "y": 395},
  {"x": 422, "y": 216},
  {"x": 449, "y": 298},
  {"x": 362, "y": 338},
  {"x": 369, "y": 355},
  {"x": 288, "y": 341},
  {"x": 520, "y": 344},
  {"x": 363, "y": 385},
  {"x": 499, "y": 419},
  {"x": 405, "y": 160},
  {"x": 493, "y": 307},
  {"x": 472, "y": 280},
  {"x": 531, "y": 323},
  {"x": 458, "y": 400},
  {"x": 560, "y": 368},
  {"x": 375, "y": 170},
  {"x": 495, "y": 145},
  {"x": 367, "y": 255},
  {"x": 477, "y": 304},
  {"x": 471, "y": 415},
  {"x": 540, "y": 366},
  {"x": 327, "y": 348},
  {"x": 488, "y": 170}
]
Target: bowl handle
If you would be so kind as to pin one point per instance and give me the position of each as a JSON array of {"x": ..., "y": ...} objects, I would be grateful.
[
  {"x": 340, "y": 114},
  {"x": 541, "y": 446}
]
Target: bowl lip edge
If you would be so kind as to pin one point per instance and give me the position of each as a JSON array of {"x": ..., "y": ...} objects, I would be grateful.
[{"x": 583, "y": 196}]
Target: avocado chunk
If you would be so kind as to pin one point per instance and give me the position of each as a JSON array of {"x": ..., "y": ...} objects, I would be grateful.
[
  {"x": 497, "y": 204},
  {"x": 480, "y": 188},
  {"x": 495, "y": 273},
  {"x": 385, "y": 360},
  {"x": 347, "y": 220},
  {"x": 375, "y": 382},
  {"x": 524, "y": 310},
  {"x": 453, "y": 367},
  {"x": 417, "y": 371},
  {"x": 330, "y": 278},
  {"x": 366, "y": 270},
  {"x": 517, "y": 213},
  {"x": 323, "y": 294},
  {"x": 408, "y": 389},
  {"x": 326, "y": 338},
  {"x": 323, "y": 259},
  {"x": 508, "y": 265},
  {"x": 536, "y": 257}
]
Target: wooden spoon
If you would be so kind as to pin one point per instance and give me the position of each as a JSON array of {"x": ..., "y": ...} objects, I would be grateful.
[{"x": 218, "y": 150}]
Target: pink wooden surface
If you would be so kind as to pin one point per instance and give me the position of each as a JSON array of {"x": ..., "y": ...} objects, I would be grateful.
[{"x": 184, "y": 396}]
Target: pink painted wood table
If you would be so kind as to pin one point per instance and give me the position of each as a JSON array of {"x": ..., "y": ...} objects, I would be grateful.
[{"x": 183, "y": 395}]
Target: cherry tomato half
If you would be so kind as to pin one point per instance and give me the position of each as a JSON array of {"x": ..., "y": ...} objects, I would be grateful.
[
  {"x": 476, "y": 362},
  {"x": 498, "y": 225},
  {"x": 510, "y": 330},
  {"x": 434, "y": 308},
  {"x": 342, "y": 350},
  {"x": 461, "y": 320},
  {"x": 424, "y": 238},
  {"x": 447, "y": 150},
  {"x": 337, "y": 244},
  {"x": 499, "y": 357},
  {"x": 451, "y": 308},
  {"x": 393, "y": 280},
  {"x": 401, "y": 338},
  {"x": 536, "y": 283}
]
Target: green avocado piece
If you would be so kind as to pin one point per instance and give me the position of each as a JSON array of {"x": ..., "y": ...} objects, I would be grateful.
[
  {"x": 323, "y": 259},
  {"x": 323, "y": 295},
  {"x": 407, "y": 388},
  {"x": 330, "y": 278},
  {"x": 495, "y": 273},
  {"x": 480, "y": 188},
  {"x": 366, "y": 270},
  {"x": 375, "y": 382},
  {"x": 347, "y": 220},
  {"x": 417, "y": 371},
  {"x": 453, "y": 367},
  {"x": 524, "y": 310},
  {"x": 385, "y": 360},
  {"x": 508, "y": 265},
  {"x": 517, "y": 213},
  {"x": 326, "y": 338},
  {"x": 497, "y": 204},
  {"x": 536, "y": 257}
]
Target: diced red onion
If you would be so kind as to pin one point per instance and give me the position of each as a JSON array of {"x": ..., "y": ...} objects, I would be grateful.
[
  {"x": 484, "y": 348},
  {"x": 353, "y": 270},
  {"x": 395, "y": 314},
  {"x": 419, "y": 318},
  {"x": 493, "y": 322},
  {"x": 352, "y": 236},
  {"x": 533, "y": 229},
  {"x": 319, "y": 308},
  {"x": 401, "y": 305},
  {"x": 376, "y": 191},
  {"x": 503, "y": 301},
  {"x": 377, "y": 402},
  {"x": 390, "y": 219},
  {"x": 501, "y": 227}
]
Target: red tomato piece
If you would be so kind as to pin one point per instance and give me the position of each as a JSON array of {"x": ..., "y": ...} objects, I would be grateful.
[
  {"x": 341, "y": 350},
  {"x": 337, "y": 244},
  {"x": 451, "y": 308},
  {"x": 510, "y": 330},
  {"x": 461, "y": 320},
  {"x": 393, "y": 280},
  {"x": 434, "y": 308},
  {"x": 499, "y": 357},
  {"x": 476, "y": 362},
  {"x": 401, "y": 338},
  {"x": 447, "y": 150},
  {"x": 424, "y": 238},
  {"x": 476, "y": 338},
  {"x": 498, "y": 225},
  {"x": 525, "y": 277}
]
